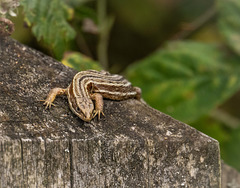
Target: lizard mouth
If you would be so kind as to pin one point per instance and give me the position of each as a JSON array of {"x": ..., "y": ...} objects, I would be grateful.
[
  {"x": 88, "y": 116},
  {"x": 85, "y": 118}
]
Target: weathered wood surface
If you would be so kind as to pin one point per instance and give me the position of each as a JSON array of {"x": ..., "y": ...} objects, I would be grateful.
[
  {"x": 230, "y": 178},
  {"x": 132, "y": 146}
]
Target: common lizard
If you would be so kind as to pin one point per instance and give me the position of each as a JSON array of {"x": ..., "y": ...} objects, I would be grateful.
[{"x": 88, "y": 86}]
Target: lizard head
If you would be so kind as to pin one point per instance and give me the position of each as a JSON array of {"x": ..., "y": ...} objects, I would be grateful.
[{"x": 82, "y": 108}]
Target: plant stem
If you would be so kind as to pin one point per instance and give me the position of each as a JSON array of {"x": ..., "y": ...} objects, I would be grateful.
[
  {"x": 225, "y": 118},
  {"x": 196, "y": 24},
  {"x": 103, "y": 33}
]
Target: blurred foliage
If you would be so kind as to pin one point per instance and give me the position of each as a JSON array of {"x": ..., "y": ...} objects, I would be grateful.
[
  {"x": 80, "y": 62},
  {"x": 184, "y": 54},
  {"x": 49, "y": 20},
  {"x": 230, "y": 152},
  {"x": 229, "y": 25},
  {"x": 187, "y": 79}
]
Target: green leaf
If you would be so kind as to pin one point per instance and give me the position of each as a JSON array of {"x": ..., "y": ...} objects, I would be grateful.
[
  {"x": 80, "y": 62},
  {"x": 49, "y": 21},
  {"x": 76, "y": 3},
  {"x": 83, "y": 12},
  {"x": 228, "y": 22},
  {"x": 185, "y": 80}
]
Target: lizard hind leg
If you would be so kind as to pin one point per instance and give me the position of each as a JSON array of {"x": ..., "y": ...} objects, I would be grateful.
[
  {"x": 139, "y": 93},
  {"x": 97, "y": 97}
]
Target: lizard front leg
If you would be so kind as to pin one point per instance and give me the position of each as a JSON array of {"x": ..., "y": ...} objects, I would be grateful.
[
  {"x": 52, "y": 95},
  {"x": 97, "y": 97},
  {"x": 139, "y": 93}
]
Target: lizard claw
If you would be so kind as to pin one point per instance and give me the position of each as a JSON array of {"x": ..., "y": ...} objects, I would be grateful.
[
  {"x": 98, "y": 112},
  {"x": 47, "y": 103}
]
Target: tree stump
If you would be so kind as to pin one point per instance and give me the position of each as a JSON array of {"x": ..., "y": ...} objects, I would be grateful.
[{"x": 134, "y": 145}]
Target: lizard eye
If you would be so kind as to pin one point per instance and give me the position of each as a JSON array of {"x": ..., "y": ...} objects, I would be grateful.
[{"x": 78, "y": 109}]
